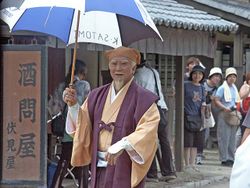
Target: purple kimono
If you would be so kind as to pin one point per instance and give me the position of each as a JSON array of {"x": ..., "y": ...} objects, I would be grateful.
[{"x": 132, "y": 109}]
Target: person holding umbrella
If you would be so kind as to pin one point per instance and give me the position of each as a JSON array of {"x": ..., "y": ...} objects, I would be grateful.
[{"x": 115, "y": 129}]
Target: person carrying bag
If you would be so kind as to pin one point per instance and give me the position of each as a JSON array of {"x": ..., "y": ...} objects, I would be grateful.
[
  {"x": 148, "y": 78},
  {"x": 226, "y": 98},
  {"x": 194, "y": 103}
]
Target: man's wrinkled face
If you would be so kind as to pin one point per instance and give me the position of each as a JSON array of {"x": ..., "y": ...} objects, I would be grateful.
[{"x": 122, "y": 69}]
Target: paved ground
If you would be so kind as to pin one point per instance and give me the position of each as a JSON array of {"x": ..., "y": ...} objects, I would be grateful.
[
  {"x": 211, "y": 172},
  {"x": 218, "y": 185}
]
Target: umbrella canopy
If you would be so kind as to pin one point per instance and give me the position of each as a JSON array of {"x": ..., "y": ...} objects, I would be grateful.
[
  {"x": 95, "y": 26},
  {"x": 130, "y": 8},
  {"x": 118, "y": 23}
]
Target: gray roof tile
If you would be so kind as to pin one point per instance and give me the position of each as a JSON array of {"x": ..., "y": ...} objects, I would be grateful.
[
  {"x": 173, "y": 14},
  {"x": 236, "y": 8}
]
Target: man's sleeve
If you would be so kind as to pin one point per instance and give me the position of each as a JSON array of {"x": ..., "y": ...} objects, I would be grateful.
[
  {"x": 71, "y": 119},
  {"x": 144, "y": 138},
  {"x": 144, "y": 142},
  {"x": 81, "y": 130}
]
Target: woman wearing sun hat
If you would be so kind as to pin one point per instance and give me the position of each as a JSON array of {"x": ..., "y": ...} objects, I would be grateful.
[
  {"x": 226, "y": 98},
  {"x": 194, "y": 100}
]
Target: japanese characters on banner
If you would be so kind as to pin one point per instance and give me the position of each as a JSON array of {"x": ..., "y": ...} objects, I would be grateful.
[{"x": 21, "y": 115}]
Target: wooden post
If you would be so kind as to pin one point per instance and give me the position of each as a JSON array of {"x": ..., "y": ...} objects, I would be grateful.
[
  {"x": 179, "y": 116},
  {"x": 238, "y": 57}
]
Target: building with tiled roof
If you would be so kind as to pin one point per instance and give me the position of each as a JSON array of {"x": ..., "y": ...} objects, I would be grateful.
[
  {"x": 186, "y": 30},
  {"x": 172, "y": 14},
  {"x": 240, "y": 9}
]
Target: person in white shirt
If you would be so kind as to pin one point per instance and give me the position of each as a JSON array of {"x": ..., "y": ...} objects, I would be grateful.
[{"x": 149, "y": 78}]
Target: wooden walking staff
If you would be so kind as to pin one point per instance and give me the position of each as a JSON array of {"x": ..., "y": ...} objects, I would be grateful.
[{"x": 75, "y": 49}]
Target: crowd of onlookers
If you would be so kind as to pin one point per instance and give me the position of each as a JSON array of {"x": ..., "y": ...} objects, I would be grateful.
[
  {"x": 211, "y": 102},
  {"x": 213, "y": 99}
]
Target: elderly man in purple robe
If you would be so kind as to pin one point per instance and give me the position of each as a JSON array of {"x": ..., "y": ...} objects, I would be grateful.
[{"x": 116, "y": 128}]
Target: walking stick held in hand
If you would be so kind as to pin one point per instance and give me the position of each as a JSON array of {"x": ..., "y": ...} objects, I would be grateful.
[{"x": 75, "y": 49}]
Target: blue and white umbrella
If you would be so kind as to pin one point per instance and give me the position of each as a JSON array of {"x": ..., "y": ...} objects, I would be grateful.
[
  {"x": 114, "y": 25},
  {"x": 109, "y": 22}
]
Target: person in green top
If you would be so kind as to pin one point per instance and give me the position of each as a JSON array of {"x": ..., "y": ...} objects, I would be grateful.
[{"x": 56, "y": 104}]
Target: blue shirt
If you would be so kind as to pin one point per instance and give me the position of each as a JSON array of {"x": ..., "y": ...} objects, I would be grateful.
[
  {"x": 194, "y": 96},
  {"x": 220, "y": 94}
]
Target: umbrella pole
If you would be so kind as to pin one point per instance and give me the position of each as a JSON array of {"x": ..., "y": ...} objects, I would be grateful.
[{"x": 75, "y": 49}]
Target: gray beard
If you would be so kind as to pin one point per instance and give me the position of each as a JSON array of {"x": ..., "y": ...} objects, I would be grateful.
[{"x": 118, "y": 85}]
